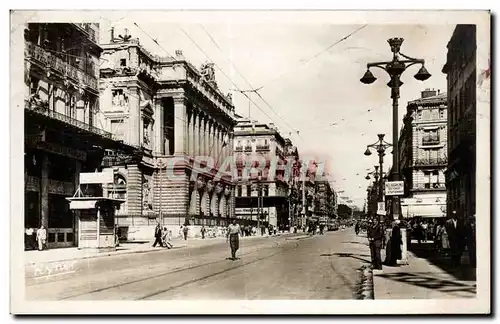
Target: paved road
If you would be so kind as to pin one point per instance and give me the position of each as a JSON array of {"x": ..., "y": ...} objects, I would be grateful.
[{"x": 287, "y": 267}]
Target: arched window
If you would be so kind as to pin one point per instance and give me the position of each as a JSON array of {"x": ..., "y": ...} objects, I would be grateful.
[{"x": 119, "y": 188}]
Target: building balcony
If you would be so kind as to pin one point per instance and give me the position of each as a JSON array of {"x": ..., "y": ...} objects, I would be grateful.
[
  {"x": 261, "y": 148},
  {"x": 238, "y": 149},
  {"x": 41, "y": 108},
  {"x": 248, "y": 148},
  {"x": 48, "y": 60},
  {"x": 431, "y": 162}
]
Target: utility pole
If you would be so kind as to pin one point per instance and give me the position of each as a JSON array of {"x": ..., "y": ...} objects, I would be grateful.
[{"x": 249, "y": 91}]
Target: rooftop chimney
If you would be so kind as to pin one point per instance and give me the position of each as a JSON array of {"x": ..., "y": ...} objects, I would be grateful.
[
  {"x": 428, "y": 93},
  {"x": 112, "y": 40}
]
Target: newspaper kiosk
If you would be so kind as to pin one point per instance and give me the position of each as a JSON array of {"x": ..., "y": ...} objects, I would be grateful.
[
  {"x": 95, "y": 215},
  {"x": 96, "y": 222}
]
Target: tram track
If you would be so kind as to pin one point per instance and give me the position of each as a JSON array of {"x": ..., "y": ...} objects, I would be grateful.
[{"x": 161, "y": 276}]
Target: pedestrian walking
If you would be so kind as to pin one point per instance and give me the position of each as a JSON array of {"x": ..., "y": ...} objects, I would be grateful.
[
  {"x": 41, "y": 237},
  {"x": 356, "y": 228},
  {"x": 117, "y": 236},
  {"x": 165, "y": 238},
  {"x": 185, "y": 231},
  {"x": 376, "y": 237},
  {"x": 157, "y": 235},
  {"x": 233, "y": 232},
  {"x": 203, "y": 230}
]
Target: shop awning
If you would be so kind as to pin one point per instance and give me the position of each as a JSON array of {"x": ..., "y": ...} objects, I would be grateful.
[{"x": 422, "y": 210}]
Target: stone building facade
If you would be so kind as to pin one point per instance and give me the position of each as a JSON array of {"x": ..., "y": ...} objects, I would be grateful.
[
  {"x": 181, "y": 121},
  {"x": 62, "y": 135},
  {"x": 252, "y": 138},
  {"x": 460, "y": 69},
  {"x": 423, "y": 155}
]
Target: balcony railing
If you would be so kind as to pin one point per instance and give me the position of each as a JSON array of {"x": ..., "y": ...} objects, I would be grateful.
[
  {"x": 248, "y": 148},
  {"x": 238, "y": 149},
  {"x": 430, "y": 141},
  {"x": 43, "y": 110},
  {"x": 47, "y": 59},
  {"x": 262, "y": 148},
  {"x": 431, "y": 161}
]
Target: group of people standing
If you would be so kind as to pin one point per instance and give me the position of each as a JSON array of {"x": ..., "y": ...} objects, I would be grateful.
[
  {"x": 35, "y": 239},
  {"x": 451, "y": 236},
  {"x": 377, "y": 241}
]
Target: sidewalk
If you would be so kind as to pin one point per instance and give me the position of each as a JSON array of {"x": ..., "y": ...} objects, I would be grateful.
[
  {"x": 73, "y": 253},
  {"x": 423, "y": 278}
]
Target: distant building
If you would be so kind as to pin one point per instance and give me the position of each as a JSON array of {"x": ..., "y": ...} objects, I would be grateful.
[
  {"x": 174, "y": 113},
  {"x": 325, "y": 202},
  {"x": 423, "y": 155},
  {"x": 460, "y": 69},
  {"x": 252, "y": 138},
  {"x": 62, "y": 135}
]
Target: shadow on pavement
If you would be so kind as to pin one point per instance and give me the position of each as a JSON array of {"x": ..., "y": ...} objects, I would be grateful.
[
  {"x": 352, "y": 242},
  {"x": 428, "y": 280},
  {"x": 426, "y": 250},
  {"x": 348, "y": 255}
]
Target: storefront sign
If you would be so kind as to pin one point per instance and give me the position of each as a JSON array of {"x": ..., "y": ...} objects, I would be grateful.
[
  {"x": 394, "y": 188},
  {"x": 97, "y": 177}
]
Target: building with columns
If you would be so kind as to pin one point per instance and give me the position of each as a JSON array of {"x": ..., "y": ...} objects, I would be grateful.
[
  {"x": 62, "y": 136},
  {"x": 423, "y": 155},
  {"x": 252, "y": 138},
  {"x": 182, "y": 123}
]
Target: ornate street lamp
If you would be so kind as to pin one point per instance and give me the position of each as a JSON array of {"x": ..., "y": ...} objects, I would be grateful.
[
  {"x": 395, "y": 68},
  {"x": 380, "y": 146}
]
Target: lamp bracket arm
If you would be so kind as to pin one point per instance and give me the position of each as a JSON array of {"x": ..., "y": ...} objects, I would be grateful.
[
  {"x": 411, "y": 58},
  {"x": 387, "y": 144},
  {"x": 380, "y": 65}
]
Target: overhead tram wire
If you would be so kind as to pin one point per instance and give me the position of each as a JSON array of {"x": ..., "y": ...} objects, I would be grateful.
[
  {"x": 254, "y": 90},
  {"x": 224, "y": 73},
  {"x": 316, "y": 55}
]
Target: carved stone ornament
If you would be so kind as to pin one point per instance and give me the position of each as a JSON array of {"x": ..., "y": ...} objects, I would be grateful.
[
  {"x": 200, "y": 183},
  {"x": 219, "y": 188},
  {"x": 210, "y": 186},
  {"x": 227, "y": 191},
  {"x": 208, "y": 71}
]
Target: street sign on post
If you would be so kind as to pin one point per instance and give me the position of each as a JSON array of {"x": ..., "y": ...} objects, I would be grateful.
[{"x": 394, "y": 188}]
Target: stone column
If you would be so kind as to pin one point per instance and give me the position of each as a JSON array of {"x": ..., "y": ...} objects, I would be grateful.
[
  {"x": 180, "y": 126},
  {"x": 201, "y": 133},
  {"x": 214, "y": 141},
  {"x": 44, "y": 192},
  {"x": 192, "y": 132},
  {"x": 217, "y": 146},
  {"x": 159, "y": 128},
  {"x": 196, "y": 133},
  {"x": 206, "y": 137},
  {"x": 189, "y": 125},
  {"x": 134, "y": 117}
]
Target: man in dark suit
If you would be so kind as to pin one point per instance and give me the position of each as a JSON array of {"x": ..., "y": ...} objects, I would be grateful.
[
  {"x": 454, "y": 229},
  {"x": 376, "y": 238},
  {"x": 157, "y": 235}
]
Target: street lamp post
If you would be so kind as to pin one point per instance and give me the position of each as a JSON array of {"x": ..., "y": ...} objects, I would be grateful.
[
  {"x": 380, "y": 146},
  {"x": 395, "y": 68}
]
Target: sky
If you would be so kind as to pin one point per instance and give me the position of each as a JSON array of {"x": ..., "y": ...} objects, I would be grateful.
[{"x": 309, "y": 78}]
